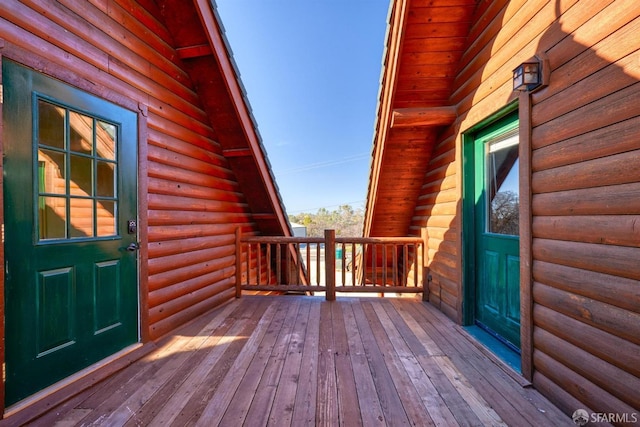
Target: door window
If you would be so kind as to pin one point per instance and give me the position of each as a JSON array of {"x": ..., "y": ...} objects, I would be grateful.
[
  {"x": 76, "y": 174},
  {"x": 501, "y": 177}
]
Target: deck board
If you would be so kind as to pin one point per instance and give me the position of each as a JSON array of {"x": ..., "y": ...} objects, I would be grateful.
[{"x": 295, "y": 360}]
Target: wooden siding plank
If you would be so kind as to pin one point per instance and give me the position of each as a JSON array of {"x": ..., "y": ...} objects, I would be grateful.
[
  {"x": 223, "y": 202},
  {"x": 614, "y": 290},
  {"x": 617, "y": 382},
  {"x": 618, "y": 106},
  {"x": 612, "y": 349},
  {"x": 619, "y": 322},
  {"x": 610, "y": 140},
  {"x": 611, "y": 170},
  {"x": 130, "y": 42},
  {"x": 578, "y": 386},
  {"x": 621, "y": 230},
  {"x": 596, "y": 83},
  {"x": 195, "y": 309},
  {"x": 615, "y": 260},
  {"x": 589, "y": 201}
]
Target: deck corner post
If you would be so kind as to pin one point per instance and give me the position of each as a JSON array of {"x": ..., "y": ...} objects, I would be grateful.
[
  {"x": 424, "y": 263},
  {"x": 330, "y": 263},
  {"x": 238, "y": 262}
]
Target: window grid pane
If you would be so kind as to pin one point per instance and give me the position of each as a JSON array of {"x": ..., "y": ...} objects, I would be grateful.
[{"x": 76, "y": 173}]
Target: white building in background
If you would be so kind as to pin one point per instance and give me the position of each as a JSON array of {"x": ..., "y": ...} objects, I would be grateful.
[{"x": 299, "y": 230}]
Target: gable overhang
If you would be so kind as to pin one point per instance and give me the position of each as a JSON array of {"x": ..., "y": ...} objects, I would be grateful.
[
  {"x": 203, "y": 48},
  {"x": 425, "y": 41}
]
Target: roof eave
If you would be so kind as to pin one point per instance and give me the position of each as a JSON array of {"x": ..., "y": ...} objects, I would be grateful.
[
  {"x": 215, "y": 35},
  {"x": 396, "y": 22}
]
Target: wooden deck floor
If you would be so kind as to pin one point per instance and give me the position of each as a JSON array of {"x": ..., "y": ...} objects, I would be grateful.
[{"x": 299, "y": 361}]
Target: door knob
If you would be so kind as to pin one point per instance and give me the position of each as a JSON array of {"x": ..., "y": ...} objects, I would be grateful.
[{"x": 133, "y": 247}]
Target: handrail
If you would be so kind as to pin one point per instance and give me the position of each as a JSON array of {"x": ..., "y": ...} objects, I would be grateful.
[{"x": 330, "y": 264}]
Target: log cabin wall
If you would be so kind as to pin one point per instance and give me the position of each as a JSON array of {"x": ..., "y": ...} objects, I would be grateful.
[
  {"x": 584, "y": 276},
  {"x": 122, "y": 50}
]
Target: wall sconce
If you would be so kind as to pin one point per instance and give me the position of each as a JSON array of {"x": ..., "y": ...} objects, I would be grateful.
[{"x": 531, "y": 74}]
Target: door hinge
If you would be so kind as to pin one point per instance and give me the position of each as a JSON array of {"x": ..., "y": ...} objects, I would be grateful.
[{"x": 1, "y": 94}]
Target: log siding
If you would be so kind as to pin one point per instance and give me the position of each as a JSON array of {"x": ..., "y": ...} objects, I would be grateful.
[
  {"x": 121, "y": 50},
  {"x": 580, "y": 278}
]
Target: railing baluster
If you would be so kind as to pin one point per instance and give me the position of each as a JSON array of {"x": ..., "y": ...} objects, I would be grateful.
[
  {"x": 374, "y": 259},
  {"x": 405, "y": 264},
  {"x": 308, "y": 269},
  {"x": 318, "y": 264},
  {"x": 259, "y": 264},
  {"x": 415, "y": 264},
  {"x": 249, "y": 255},
  {"x": 278, "y": 264},
  {"x": 384, "y": 264},
  {"x": 354, "y": 256}
]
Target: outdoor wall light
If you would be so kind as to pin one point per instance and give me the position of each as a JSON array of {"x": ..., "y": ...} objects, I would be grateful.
[
  {"x": 532, "y": 74},
  {"x": 527, "y": 76}
]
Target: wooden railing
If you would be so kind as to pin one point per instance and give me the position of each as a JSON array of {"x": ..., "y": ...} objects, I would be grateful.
[{"x": 330, "y": 264}]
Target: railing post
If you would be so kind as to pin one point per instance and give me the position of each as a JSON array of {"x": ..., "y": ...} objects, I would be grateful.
[
  {"x": 330, "y": 263},
  {"x": 424, "y": 234},
  {"x": 238, "y": 262}
]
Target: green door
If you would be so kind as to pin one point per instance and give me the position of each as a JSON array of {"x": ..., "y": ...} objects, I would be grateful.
[
  {"x": 70, "y": 188},
  {"x": 497, "y": 254}
]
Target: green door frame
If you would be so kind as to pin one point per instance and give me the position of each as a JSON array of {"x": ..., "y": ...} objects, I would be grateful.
[
  {"x": 469, "y": 213},
  {"x": 522, "y": 103}
]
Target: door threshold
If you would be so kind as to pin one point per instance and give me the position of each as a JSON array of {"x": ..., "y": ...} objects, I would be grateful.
[{"x": 501, "y": 350}]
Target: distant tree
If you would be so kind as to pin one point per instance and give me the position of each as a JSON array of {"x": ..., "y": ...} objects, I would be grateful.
[
  {"x": 505, "y": 213},
  {"x": 346, "y": 220}
]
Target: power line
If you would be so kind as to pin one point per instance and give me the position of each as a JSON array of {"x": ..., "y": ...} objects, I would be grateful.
[{"x": 322, "y": 164}]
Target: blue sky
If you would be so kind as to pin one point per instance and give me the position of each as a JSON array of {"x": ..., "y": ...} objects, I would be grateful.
[{"x": 311, "y": 69}]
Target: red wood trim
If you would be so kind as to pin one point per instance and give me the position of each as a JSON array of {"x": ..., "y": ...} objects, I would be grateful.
[
  {"x": 264, "y": 216},
  {"x": 143, "y": 221},
  {"x": 395, "y": 38},
  {"x": 237, "y": 152},
  {"x": 212, "y": 28},
  {"x": 2, "y": 348},
  {"x": 418, "y": 117},
  {"x": 194, "y": 51},
  {"x": 526, "y": 240}
]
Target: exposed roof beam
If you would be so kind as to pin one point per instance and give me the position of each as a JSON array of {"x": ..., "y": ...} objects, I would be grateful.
[
  {"x": 418, "y": 117},
  {"x": 194, "y": 51},
  {"x": 237, "y": 152}
]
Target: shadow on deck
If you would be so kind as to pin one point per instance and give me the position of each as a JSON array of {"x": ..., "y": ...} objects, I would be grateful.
[{"x": 272, "y": 360}]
